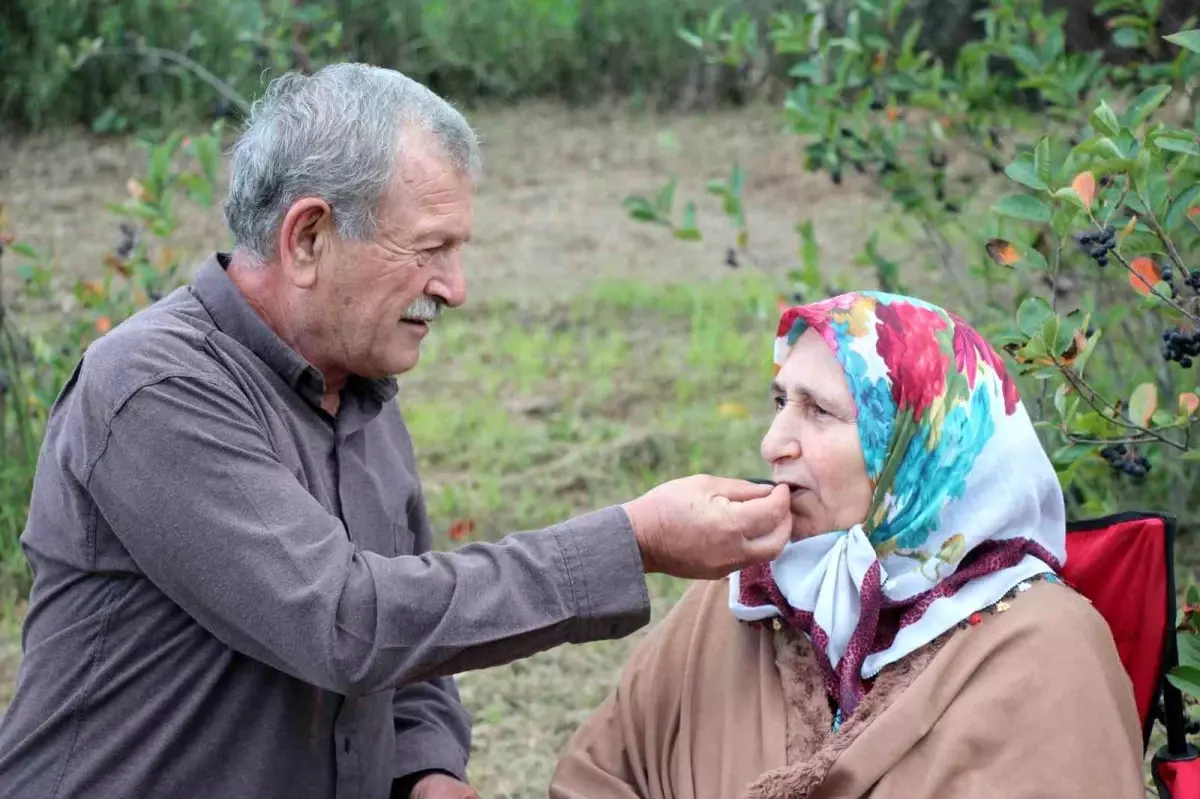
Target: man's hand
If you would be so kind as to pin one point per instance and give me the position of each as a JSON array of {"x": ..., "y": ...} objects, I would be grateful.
[
  {"x": 706, "y": 527},
  {"x": 442, "y": 786}
]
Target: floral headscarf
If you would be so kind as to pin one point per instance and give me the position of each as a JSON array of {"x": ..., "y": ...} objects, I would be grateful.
[{"x": 966, "y": 505}]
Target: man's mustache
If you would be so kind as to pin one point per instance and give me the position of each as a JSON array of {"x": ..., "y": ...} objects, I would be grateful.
[{"x": 424, "y": 309}]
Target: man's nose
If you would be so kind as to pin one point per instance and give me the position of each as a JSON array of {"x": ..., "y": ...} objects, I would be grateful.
[{"x": 450, "y": 285}]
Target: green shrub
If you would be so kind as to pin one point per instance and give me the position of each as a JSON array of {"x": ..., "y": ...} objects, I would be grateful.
[
  {"x": 1086, "y": 268},
  {"x": 147, "y": 62},
  {"x": 45, "y": 326}
]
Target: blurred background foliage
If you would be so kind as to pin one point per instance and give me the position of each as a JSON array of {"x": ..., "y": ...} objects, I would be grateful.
[
  {"x": 472, "y": 51},
  {"x": 1035, "y": 165}
]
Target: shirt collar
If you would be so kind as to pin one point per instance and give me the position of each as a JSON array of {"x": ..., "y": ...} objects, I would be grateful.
[{"x": 235, "y": 317}]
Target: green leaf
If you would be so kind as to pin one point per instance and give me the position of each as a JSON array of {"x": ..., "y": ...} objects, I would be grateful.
[
  {"x": 1032, "y": 315},
  {"x": 716, "y": 186},
  {"x": 1023, "y": 206},
  {"x": 1105, "y": 121},
  {"x": 666, "y": 197},
  {"x": 1177, "y": 212},
  {"x": 24, "y": 250},
  {"x": 1024, "y": 171},
  {"x": 1186, "y": 679},
  {"x": 689, "y": 215},
  {"x": 691, "y": 38},
  {"x": 1041, "y": 159},
  {"x": 1192, "y": 595},
  {"x": 1189, "y": 648},
  {"x": 208, "y": 156},
  {"x": 810, "y": 251},
  {"x": 1189, "y": 40},
  {"x": 1161, "y": 418},
  {"x": 737, "y": 179},
  {"x": 639, "y": 208},
  {"x": 1146, "y": 104},
  {"x": 1129, "y": 38},
  {"x": 1178, "y": 145},
  {"x": 688, "y": 231},
  {"x": 1069, "y": 194}
]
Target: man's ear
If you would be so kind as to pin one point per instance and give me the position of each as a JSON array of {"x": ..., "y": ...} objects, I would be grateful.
[{"x": 305, "y": 236}]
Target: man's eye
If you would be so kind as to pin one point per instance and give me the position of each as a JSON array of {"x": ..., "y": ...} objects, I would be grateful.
[{"x": 779, "y": 403}]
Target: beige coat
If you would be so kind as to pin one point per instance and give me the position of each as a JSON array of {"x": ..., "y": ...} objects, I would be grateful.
[{"x": 1030, "y": 702}]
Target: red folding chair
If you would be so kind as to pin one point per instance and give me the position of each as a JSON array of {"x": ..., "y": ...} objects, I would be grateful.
[{"x": 1125, "y": 565}]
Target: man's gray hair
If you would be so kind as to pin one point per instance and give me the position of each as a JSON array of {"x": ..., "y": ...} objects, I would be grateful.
[{"x": 335, "y": 134}]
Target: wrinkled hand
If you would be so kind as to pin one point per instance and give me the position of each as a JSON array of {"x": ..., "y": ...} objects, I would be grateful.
[
  {"x": 442, "y": 786},
  {"x": 705, "y": 528}
]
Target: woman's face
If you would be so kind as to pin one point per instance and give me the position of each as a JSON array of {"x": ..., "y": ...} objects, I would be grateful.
[{"x": 813, "y": 442}]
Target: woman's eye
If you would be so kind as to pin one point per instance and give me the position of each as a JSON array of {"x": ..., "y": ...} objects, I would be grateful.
[{"x": 779, "y": 402}]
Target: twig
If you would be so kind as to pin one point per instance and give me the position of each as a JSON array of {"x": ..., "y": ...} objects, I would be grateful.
[
  {"x": 1162, "y": 234},
  {"x": 1195, "y": 319},
  {"x": 1090, "y": 396},
  {"x": 1115, "y": 206},
  {"x": 222, "y": 88},
  {"x": 1074, "y": 439},
  {"x": 1053, "y": 307}
]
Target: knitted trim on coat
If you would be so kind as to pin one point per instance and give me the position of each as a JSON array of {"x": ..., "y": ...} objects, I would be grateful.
[{"x": 812, "y": 746}]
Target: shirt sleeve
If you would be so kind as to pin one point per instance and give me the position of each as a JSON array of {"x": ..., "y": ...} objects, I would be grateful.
[
  {"x": 433, "y": 729},
  {"x": 189, "y": 482}
]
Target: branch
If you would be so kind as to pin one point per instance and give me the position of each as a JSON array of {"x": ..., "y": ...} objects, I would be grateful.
[
  {"x": 1162, "y": 235},
  {"x": 1195, "y": 319},
  {"x": 1074, "y": 439},
  {"x": 221, "y": 87},
  {"x": 1090, "y": 396}
]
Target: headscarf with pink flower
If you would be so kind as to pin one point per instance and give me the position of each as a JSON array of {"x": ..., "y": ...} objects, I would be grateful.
[{"x": 966, "y": 505}]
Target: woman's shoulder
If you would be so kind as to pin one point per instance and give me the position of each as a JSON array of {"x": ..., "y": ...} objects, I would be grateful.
[{"x": 1050, "y": 623}]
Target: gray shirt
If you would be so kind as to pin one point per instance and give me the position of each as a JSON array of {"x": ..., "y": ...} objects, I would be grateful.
[{"x": 233, "y": 590}]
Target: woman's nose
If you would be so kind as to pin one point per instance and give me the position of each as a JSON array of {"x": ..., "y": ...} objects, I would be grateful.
[{"x": 779, "y": 444}]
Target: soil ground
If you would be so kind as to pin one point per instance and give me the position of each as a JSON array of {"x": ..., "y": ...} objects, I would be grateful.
[{"x": 549, "y": 215}]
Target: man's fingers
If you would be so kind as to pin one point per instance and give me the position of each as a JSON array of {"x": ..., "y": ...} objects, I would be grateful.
[
  {"x": 738, "y": 490},
  {"x": 768, "y": 547},
  {"x": 762, "y": 516}
]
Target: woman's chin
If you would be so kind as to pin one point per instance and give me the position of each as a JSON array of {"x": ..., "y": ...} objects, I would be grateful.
[{"x": 804, "y": 526}]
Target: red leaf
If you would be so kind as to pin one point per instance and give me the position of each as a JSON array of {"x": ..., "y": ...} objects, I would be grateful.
[
  {"x": 1145, "y": 275},
  {"x": 1003, "y": 252},
  {"x": 462, "y": 529},
  {"x": 1085, "y": 186}
]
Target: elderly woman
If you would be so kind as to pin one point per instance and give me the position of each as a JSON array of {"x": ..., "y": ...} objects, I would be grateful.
[{"x": 912, "y": 641}]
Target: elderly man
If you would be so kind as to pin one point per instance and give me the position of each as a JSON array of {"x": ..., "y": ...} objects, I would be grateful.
[{"x": 234, "y": 594}]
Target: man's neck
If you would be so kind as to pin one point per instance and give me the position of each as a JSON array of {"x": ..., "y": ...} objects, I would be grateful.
[{"x": 262, "y": 290}]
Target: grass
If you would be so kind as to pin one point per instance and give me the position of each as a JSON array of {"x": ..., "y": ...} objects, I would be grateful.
[
  {"x": 526, "y": 413},
  {"x": 524, "y": 416}
]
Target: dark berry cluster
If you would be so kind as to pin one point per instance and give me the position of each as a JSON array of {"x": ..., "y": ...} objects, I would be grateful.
[
  {"x": 1193, "y": 280},
  {"x": 1126, "y": 460},
  {"x": 1181, "y": 346},
  {"x": 1168, "y": 275},
  {"x": 1099, "y": 245}
]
